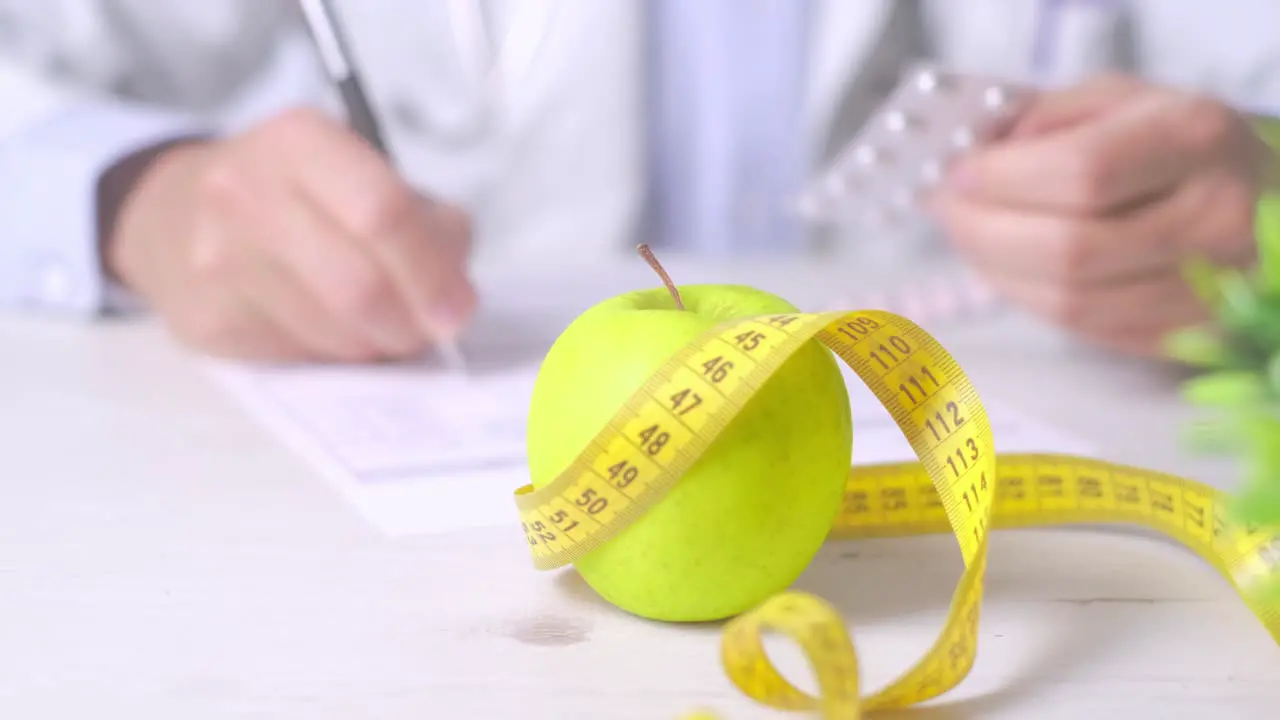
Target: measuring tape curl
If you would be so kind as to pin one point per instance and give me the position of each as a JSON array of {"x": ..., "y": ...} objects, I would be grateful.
[{"x": 953, "y": 488}]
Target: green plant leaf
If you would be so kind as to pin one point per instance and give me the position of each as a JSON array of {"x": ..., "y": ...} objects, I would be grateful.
[
  {"x": 1267, "y": 229},
  {"x": 1211, "y": 438},
  {"x": 1261, "y": 432},
  {"x": 1203, "y": 277},
  {"x": 1201, "y": 347},
  {"x": 1273, "y": 373},
  {"x": 1264, "y": 331},
  {"x": 1227, "y": 389},
  {"x": 1239, "y": 304},
  {"x": 1258, "y": 504}
]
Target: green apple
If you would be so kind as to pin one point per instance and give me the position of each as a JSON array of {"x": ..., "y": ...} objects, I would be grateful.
[{"x": 751, "y": 513}]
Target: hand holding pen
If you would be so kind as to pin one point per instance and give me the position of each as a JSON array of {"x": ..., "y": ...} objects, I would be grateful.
[
  {"x": 339, "y": 62},
  {"x": 293, "y": 241}
]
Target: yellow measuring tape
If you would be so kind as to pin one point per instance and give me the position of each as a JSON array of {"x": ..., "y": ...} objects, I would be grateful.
[{"x": 955, "y": 487}]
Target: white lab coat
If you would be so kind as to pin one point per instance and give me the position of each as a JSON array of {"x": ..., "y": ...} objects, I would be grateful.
[{"x": 84, "y": 80}]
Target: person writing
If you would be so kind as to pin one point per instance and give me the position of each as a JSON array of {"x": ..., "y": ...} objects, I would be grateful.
[{"x": 182, "y": 157}]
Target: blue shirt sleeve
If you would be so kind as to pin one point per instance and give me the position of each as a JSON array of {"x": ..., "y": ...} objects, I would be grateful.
[{"x": 49, "y": 174}]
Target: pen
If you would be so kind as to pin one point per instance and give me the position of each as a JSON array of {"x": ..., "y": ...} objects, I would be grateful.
[{"x": 339, "y": 63}]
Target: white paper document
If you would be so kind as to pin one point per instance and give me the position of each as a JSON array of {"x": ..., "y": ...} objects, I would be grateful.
[{"x": 419, "y": 450}]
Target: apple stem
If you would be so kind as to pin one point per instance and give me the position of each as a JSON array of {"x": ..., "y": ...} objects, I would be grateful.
[{"x": 647, "y": 254}]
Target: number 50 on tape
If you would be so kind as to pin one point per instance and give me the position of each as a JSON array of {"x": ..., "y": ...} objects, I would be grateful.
[{"x": 959, "y": 486}]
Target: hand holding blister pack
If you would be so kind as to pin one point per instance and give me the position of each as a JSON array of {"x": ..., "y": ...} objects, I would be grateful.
[
  {"x": 876, "y": 184},
  {"x": 929, "y": 120}
]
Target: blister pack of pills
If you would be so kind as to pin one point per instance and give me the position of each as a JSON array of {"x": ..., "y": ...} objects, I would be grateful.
[
  {"x": 876, "y": 182},
  {"x": 906, "y": 145}
]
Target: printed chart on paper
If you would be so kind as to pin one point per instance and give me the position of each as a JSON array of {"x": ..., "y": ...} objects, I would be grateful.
[{"x": 409, "y": 446}]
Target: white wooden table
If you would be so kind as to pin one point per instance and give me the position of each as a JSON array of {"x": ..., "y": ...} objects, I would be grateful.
[{"x": 160, "y": 557}]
